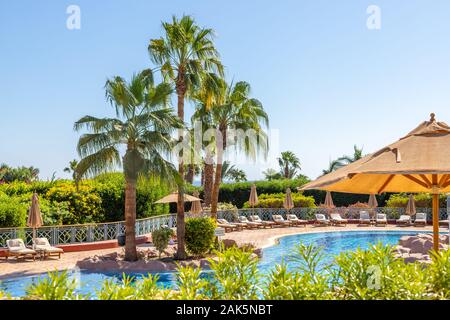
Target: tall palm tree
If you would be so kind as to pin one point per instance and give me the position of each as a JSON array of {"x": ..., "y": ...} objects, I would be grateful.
[
  {"x": 72, "y": 168},
  {"x": 233, "y": 108},
  {"x": 333, "y": 165},
  {"x": 186, "y": 56},
  {"x": 143, "y": 127},
  {"x": 231, "y": 173},
  {"x": 271, "y": 174},
  {"x": 289, "y": 163},
  {"x": 357, "y": 154}
]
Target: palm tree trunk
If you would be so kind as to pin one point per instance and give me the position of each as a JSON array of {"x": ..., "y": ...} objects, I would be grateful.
[
  {"x": 221, "y": 145},
  {"x": 181, "y": 225},
  {"x": 286, "y": 171},
  {"x": 209, "y": 178},
  {"x": 190, "y": 173},
  {"x": 202, "y": 177},
  {"x": 130, "y": 220}
]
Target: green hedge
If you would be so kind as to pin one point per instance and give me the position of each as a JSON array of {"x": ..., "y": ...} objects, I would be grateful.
[
  {"x": 422, "y": 200},
  {"x": 276, "y": 201},
  {"x": 97, "y": 200},
  {"x": 239, "y": 193}
]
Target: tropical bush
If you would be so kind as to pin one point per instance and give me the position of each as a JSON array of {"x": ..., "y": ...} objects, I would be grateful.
[
  {"x": 13, "y": 211},
  {"x": 422, "y": 200},
  {"x": 96, "y": 200},
  {"x": 199, "y": 235},
  {"x": 239, "y": 193},
  {"x": 275, "y": 200},
  {"x": 362, "y": 274},
  {"x": 160, "y": 239}
]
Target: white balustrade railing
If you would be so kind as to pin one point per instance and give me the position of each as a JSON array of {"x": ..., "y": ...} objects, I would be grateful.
[{"x": 70, "y": 234}]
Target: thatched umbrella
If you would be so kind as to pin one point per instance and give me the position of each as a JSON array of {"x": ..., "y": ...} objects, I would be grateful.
[
  {"x": 34, "y": 215},
  {"x": 288, "y": 203},
  {"x": 411, "y": 206},
  {"x": 418, "y": 162},
  {"x": 196, "y": 206},
  {"x": 373, "y": 203},
  {"x": 253, "y": 200},
  {"x": 173, "y": 197},
  {"x": 328, "y": 201}
]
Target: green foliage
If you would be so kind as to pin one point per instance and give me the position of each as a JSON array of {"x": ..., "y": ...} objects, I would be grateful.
[
  {"x": 422, "y": 200},
  {"x": 275, "y": 200},
  {"x": 354, "y": 275},
  {"x": 25, "y": 174},
  {"x": 57, "y": 286},
  {"x": 160, "y": 239},
  {"x": 13, "y": 211},
  {"x": 96, "y": 200},
  {"x": 377, "y": 274},
  {"x": 440, "y": 273},
  {"x": 235, "y": 275},
  {"x": 239, "y": 193},
  {"x": 199, "y": 235}
]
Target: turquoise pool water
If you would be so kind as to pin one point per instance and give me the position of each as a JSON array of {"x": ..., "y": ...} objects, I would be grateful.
[{"x": 333, "y": 243}]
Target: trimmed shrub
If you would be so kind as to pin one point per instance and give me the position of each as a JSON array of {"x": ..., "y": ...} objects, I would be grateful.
[
  {"x": 160, "y": 239},
  {"x": 199, "y": 235},
  {"x": 101, "y": 199},
  {"x": 276, "y": 201},
  {"x": 422, "y": 200},
  {"x": 239, "y": 193}
]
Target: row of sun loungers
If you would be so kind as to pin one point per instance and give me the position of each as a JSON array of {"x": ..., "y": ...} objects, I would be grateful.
[
  {"x": 41, "y": 248},
  {"x": 255, "y": 222}
]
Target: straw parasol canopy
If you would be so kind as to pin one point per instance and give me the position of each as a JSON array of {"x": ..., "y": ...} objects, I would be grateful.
[
  {"x": 418, "y": 162},
  {"x": 328, "y": 200},
  {"x": 34, "y": 215},
  {"x": 253, "y": 200},
  {"x": 411, "y": 206},
  {"x": 288, "y": 203},
  {"x": 196, "y": 206},
  {"x": 173, "y": 197}
]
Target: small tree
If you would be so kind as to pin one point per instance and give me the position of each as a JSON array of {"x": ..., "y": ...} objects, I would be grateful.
[
  {"x": 199, "y": 235},
  {"x": 161, "y": 239}
]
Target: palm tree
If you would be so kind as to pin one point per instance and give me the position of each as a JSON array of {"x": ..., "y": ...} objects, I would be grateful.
[
  {"x": 231, "y": 173},
  {"x": 72, "y": 168},
  {"x": 357, "y": 154},
  {"x": 233, "y": 108},
  {"x": 143, "y": 127},
  {"x": 272, "y": 174},
  {"x": 186, "y": 56},
  {"x": 289, "y": 163},
  {"x": 333, "y": 165}
]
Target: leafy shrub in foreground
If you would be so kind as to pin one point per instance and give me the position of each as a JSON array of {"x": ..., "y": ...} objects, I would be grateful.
[
  {"x": 362, "y": 274},
  {"x": 199, "y": 235},
  {"x": 160, "y": 239}
]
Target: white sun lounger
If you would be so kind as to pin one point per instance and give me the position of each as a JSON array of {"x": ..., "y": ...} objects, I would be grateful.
[
  {"x": 404, "y": 220},
  {"x": 16, "y": 248},
  {"x": 42, "y": 244},
  {"x": 321, "y": 219},
  {"x": 421, "y": 219},
  {"x": 381, "y": 219}
]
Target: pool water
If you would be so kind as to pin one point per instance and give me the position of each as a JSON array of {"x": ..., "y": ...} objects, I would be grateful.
[{"x": 332, "y": 242}]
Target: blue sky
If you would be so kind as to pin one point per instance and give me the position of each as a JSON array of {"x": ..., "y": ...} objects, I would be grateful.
[{"x": 325, "y": 79}]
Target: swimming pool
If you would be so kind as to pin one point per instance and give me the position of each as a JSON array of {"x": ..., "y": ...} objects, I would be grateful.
[{"x": 332, "y": 242}]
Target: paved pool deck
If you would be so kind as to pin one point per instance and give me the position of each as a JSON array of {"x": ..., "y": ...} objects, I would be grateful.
[{"x": 260, "y": 238}]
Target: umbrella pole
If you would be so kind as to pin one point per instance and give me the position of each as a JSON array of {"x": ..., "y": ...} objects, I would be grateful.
[{"x": 436, "y": 222}]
